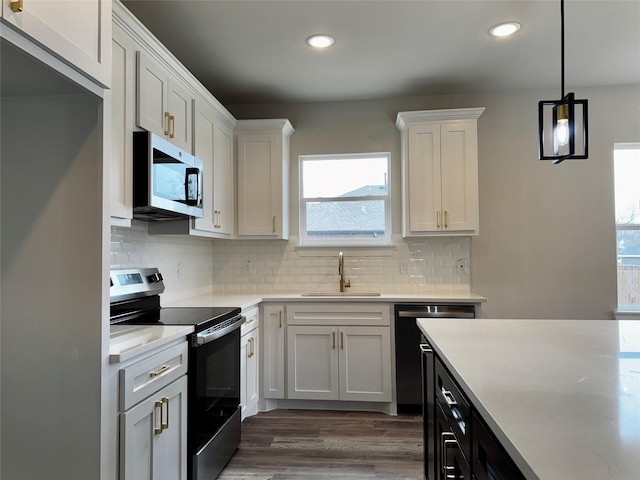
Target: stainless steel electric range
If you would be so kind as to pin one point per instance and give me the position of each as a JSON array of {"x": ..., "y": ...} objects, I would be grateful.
[{"x": 213, "y": 397}]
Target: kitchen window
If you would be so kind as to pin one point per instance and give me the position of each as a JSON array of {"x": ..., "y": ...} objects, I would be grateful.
[
  {"x": 344, "y": 199},
  {"x": 626, "y": 159}
]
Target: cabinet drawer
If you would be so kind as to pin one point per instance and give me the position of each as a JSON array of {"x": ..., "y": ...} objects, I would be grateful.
[
  {"x": 455, "y": 406},
  {"x": 339, "y": 314},
  {"x": 147, "y": 376},
  {"x": 251, "y": 322}
]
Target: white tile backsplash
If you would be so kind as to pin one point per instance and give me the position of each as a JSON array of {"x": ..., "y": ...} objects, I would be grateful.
[{"x": 276, "y": 267}]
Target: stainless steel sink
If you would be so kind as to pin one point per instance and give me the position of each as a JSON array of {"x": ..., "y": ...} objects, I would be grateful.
[{"x": 340, "y": 294}]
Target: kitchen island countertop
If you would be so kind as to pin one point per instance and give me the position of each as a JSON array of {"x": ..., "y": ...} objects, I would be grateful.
[{"x": 562, "y": 396}]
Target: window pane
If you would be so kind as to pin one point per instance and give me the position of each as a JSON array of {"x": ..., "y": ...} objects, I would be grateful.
[
  {"x": 626, "y": 159},
  {"x": 629, "y": 269},
  {"x": 627, "y": 185},
  {"x": 356, "y": 177},
  {"x": 345, "y": 220}
]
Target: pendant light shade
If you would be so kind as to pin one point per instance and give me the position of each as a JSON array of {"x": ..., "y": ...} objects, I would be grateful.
[
  {"x": 562, "y": 129},
  {"x": 562, "y": 124}
]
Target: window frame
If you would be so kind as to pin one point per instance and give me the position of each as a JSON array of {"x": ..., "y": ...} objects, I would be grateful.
[
  {"x": 623, "y": 227},
  {"x": 382, "y": 240}
]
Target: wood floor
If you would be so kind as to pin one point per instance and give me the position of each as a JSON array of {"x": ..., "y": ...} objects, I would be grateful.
[{"x": 322, "y": 445}]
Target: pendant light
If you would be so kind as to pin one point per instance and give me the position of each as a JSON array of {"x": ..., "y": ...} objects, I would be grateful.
[{"x": 562, "y": 124}]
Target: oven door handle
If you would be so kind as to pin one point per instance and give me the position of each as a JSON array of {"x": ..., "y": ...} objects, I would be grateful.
[{"x": 210, "y": 335}]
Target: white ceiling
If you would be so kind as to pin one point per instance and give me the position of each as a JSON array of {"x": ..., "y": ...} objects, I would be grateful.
[{"x": 254, "y": 51}]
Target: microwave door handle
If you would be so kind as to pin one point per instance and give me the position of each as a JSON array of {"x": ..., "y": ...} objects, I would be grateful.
[
  {"x": 191, "y": 173},
  {"x": 199, "y": 195}
]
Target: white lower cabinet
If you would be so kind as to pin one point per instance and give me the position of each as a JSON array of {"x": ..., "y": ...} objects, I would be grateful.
[
  {"x": 347, "y": 360},
  {"x": 249, "y": 364},
  {"x": 154, "y": 436},
  {"x": 153, "y": 415},
  {"x": 273, "y": 343}
]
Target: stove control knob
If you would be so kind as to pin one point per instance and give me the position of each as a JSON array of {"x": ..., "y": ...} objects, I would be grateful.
[{"x": 155, "y": 277}]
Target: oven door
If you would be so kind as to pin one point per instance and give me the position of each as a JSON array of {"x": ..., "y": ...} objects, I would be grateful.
[{"x": 214, "y": 399}]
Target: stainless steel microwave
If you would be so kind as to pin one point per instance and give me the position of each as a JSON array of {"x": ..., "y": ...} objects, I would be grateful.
[{"x": 167, "y": 181}]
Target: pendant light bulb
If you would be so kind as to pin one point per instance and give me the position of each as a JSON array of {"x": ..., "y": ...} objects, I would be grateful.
[
  {"x": 562, "y": 132},
  {"x": 562, "y": 126}
]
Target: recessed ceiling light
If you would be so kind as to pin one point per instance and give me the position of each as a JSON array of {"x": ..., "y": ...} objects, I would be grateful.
[
  {"x": 320, "y": 41},
  {"x": 504, "y": 29}
]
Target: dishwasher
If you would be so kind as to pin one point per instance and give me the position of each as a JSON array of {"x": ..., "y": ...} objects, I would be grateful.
[{"x": 408, "y": 338}]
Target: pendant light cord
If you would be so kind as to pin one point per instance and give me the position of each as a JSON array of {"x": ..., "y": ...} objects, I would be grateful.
[{"x": 562, "y": 46}]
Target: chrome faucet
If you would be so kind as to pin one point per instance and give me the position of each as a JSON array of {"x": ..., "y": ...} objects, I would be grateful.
[{"x": 343, "y": 283}]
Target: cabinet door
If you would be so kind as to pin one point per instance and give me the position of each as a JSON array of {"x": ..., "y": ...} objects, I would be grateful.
[
  {"x": 259, "y": 185},
  {"x": 123, "y": 113},
  {"x": 459, "y": 166},
  {"x": 179, "y": 102},
  {"x": 365, "y": 364},
  {"x": 149, "y": 451},
  {"x": 252, "y": 384},
  {"x": 245, "y": 349},
  {"x": 249, "y": 373},
  {"x": 79, "y": 32},
  {"x": 223, "y": 193},
  {"x": 151, "y": 93},
  {"x": 312, "y": 363},
  {"x": 273, "y": 329},
  {"x": 422, "y": 176},
  {"x": 213, "y": 144},
  {"x": 204, "y": 128}
]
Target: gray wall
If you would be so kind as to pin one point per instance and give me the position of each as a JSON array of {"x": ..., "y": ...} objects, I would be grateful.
[
  {"x": 52, "y": 329},
  {"x": 546, "y": 247}
]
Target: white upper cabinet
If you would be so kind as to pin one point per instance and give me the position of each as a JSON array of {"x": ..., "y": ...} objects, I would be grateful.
[
  {"x": 78, "y": 32},
  {"x": 164, "y": 103},
  {"x": 440, "y": 171},
  {"x": 263, "y": 178},
  {"x": 123, "y": 116},
  {"x": 213, "y": 144},
  {"x": 152, "y": 90}
]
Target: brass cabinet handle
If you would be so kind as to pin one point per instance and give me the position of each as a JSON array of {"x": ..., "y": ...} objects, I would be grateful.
[
  {"x": 165, "y": 425},
  {"x": 160, "y": 371},
  {"x": 275, "y": 223},
  {"x": 438, "y": 219},
  {"x": 167, "y": 120},
  {"x": 333, "y": 336},
  {"x": 17, "y": 6},
  {"x": 250, "y": 344},
  {"x": 446, "y": 219},
  {"x": 172, "y": 120},
  {"x": 158, "y": 405},
  {"x": 280, "y": 317},
  {"x": 342, "y": 339}
]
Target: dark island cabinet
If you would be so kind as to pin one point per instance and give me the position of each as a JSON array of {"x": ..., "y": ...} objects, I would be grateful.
[
  {"x": 458, "y": 444},
  {"x": 490, "y": 461}
]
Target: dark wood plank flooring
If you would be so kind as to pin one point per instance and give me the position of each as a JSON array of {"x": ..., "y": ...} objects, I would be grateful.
[{"x": 323, "y": 445}]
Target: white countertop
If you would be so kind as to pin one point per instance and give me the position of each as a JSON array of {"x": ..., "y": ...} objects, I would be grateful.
[
  {"x": 245, "y": 301},
  {"x": 563, "y": 396},
  {"x": 128, "y": 341}
]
